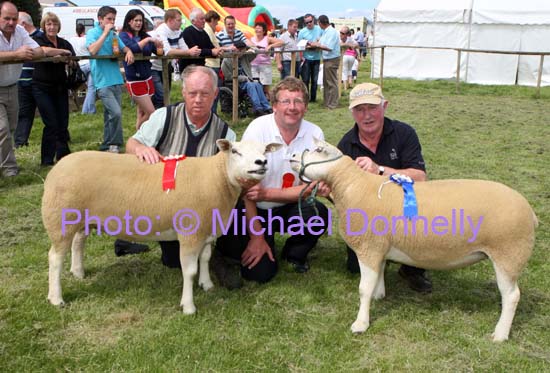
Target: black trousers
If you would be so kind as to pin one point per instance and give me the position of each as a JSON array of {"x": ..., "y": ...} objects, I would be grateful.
[
  {"x": 296, "y": 247},
  {"x": 53, "y": 105},
  {"x": 27, "y": 108},
  {"x": 310, "y": 73},
  {"x": 353, "y": 265}
]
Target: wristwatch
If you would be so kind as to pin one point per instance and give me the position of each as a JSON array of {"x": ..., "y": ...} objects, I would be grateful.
[{"x": 381, "y": 170}]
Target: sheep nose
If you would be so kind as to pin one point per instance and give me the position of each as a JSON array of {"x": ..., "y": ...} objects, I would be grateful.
[{"x": 260, "y": 162}]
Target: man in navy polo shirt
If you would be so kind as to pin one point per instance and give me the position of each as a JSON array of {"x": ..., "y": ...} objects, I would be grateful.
[{"x": 383, "y": 146}]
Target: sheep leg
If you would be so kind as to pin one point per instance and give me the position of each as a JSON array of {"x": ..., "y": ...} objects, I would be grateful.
[
  {"x": 510, "y": 294},
  {"x": 369, "y": 279},
  {"x": 55, "y": 259},
  {"x": 380, "y": 289},
  {"x": 189, "y": 270},
  {"x": 77, "y": 254},
  {"x": 204, "y": 274}
]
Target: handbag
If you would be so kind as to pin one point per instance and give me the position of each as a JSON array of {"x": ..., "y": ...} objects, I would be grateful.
[{"x": 75, "y": 78}]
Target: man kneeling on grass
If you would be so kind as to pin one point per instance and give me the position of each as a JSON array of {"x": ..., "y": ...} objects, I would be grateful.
[{"x": 276, "y": 196}]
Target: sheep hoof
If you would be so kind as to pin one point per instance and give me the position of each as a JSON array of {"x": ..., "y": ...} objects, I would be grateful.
[
  {"x": 359, "y": 327},
  {"x": 189, "y": 310},
  {"x": 57, "y": 302},
  {"x": 206, "y": 285},
  {"x": 78, "y": 274},
  {"x": 499, "y": 338}
]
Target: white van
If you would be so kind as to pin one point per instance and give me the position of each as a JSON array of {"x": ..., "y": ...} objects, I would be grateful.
[{"x": 70, "y": 16}]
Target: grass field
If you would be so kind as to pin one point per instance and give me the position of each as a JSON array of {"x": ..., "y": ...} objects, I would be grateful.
[{"x": 124, "y": 316}]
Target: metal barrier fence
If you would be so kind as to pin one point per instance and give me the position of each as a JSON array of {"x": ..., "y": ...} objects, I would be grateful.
[{"x": 458, "y": 60}]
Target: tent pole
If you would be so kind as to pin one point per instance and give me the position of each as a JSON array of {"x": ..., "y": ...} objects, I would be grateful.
[
  {"x": 458, "y": 70},
  {"x": 382, "y": 67},
  {"x": 539, "y": 78}
]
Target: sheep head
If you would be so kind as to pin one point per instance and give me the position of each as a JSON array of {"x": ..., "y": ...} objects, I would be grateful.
[
  {"x": 246, "y": 161},
  {"x": 315, "y": 164}
]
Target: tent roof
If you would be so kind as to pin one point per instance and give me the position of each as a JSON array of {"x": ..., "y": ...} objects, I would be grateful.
[{"x": 523, "y": 12}]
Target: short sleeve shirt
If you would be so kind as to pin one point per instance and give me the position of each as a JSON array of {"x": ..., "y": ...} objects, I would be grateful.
[
  {"x": 105, "y": 73},
  {"x": 9, "y": 73},
  {"x": 398, "y": 148},
  {"x": 265, "y": 130}
]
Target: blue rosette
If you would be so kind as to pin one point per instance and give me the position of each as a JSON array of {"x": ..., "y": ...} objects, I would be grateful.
[{"x": 410, "y": 207}]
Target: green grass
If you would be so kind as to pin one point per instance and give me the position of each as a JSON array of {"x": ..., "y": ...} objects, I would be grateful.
[{"x": 124, "y": 315}]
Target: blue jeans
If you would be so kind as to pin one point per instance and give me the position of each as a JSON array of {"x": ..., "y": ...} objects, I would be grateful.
[
  {"x": 256, "y": 93},
  {"x": 310, "y": 73},
  {"x": 88, "y": 107},
  {"x": 286, "y": 69},
  {"x": 158, "y": 97},
  {"x": 111, "y": 97}
]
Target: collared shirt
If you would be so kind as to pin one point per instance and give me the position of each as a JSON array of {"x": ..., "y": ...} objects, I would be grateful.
[
  {"x": 265, "y": 130},
  {"x": 150, "y": 131},
  {"x": 291, "y": 43},
  {"x": 359, "y": 37},
  {"x": 398, "y": 147},
  {"x": 105, "y": 73},
  {"x": 312, "y": 35},
  {"x": 330, "y": 39},
  {"x": 9, "y": 73},
  {"x": 225, "y": 40},
  {"x": 170, "y": 40}
]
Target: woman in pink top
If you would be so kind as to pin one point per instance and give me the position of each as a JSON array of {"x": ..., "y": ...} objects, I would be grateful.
[
  {"x": 261, "y": 65},
  {"x": 350, "y": 54}
]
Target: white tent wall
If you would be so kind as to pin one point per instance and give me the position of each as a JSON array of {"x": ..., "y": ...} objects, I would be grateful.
[
  {"x": 484, "y": 68},
  {"x": 534, "y": 38},
  {"x": 477, "y": 24},
  {"x": 419, "y": 63}
]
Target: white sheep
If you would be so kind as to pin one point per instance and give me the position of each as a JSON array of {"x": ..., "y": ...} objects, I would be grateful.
[
  {"x": 113, "y": 187},
  {"x": 495, "y": 221}
]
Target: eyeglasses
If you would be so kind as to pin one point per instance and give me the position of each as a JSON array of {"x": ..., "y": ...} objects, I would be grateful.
[
  {"x": 296, "y": 101},
  {"x": 308, "y": 22}
]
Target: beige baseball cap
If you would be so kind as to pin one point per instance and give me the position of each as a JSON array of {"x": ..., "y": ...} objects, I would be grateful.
[{"x": 365, "y": 93}]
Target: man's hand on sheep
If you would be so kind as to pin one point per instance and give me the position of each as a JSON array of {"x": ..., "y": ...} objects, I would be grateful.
[
  {"x": 256, "y": 193},
  {"x": 255, "y": 250},
  {"x": 323, "y": 190},
  {"x": 147, "y": 154},
  {"x": 367, "y": 164}
]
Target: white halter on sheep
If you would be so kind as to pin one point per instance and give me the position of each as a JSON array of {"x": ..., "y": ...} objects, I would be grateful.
[
  {"x": 114, "y": 186},
  {"x": 505, "y": 230}
]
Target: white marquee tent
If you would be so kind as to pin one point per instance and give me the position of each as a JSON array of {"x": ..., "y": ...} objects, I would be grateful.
[{"x": 505, "y": 25}]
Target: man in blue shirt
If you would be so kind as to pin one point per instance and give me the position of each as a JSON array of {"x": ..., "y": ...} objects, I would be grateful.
[
  {"x": 330, "y": 44},
  {"x": 310, "y": 69},
  {"x": 106, "y": 75}
]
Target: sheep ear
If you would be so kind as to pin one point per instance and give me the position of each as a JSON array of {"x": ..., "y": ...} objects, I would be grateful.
[
  {"x": 273, "y": 147},
  {"x": 224, "y": 145}
]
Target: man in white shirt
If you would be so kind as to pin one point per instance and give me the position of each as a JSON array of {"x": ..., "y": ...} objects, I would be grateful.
[
  {"x": 171, "y": 35},
  {"x": 15, "y": 44},
  {"x": 277, "y": 195},
  {"x": 290, "y": 37}
]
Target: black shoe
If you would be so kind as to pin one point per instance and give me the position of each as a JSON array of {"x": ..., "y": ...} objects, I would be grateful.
[
  {"x": 268, "y": 111},
  {"x": 416, "y": 280},
  {"x": 300, "y": 266},
  {"x": 125, "y": 248},
  {"x": 227, "y": 273},
  {"x": 258, "y": 113}
]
